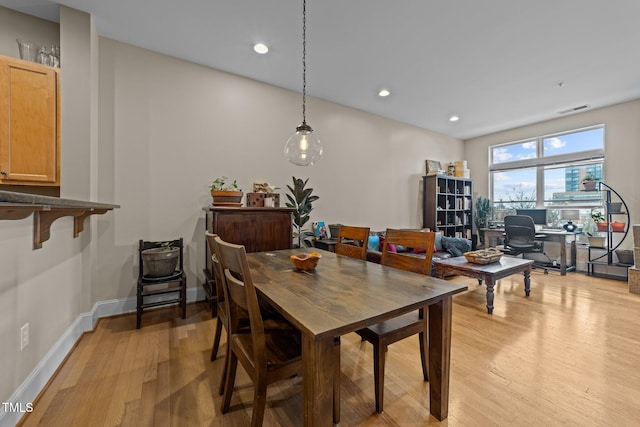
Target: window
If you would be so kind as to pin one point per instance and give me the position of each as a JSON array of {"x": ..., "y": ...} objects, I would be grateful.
[{"x": 547, "y": 172}]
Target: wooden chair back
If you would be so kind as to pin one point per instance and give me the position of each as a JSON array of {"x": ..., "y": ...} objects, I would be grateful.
[
  {"x": 241, "y": 296},
  {"x": 217, "y": 268},
  {"x": 423, "y": 240},
  {"x": 356, "y": 236}
]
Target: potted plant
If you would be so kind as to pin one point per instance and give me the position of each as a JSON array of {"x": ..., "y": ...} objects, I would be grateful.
[
  {"x": 482, "y": 215},
  {"x": 302, "y": 200},
  {"x": 225, "y": 193},
  {"x": 160, "y": 261},
  {"x": 589, "y": 182},
  {"x": 600, "y": 220}
]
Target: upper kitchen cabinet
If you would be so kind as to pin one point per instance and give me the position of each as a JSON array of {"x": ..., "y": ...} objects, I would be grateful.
[{"x": 29, "y": 124}]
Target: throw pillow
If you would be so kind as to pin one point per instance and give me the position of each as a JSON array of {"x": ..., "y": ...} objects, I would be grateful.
[
  {"x": 374, "y": 243},
  {"x": 438, "y": 244}
]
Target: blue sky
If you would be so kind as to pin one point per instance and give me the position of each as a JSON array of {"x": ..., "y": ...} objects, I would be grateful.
[{"x": 509, "y": 184}]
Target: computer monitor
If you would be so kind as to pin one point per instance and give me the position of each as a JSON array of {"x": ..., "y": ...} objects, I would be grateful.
[{"x": 539, "y": 215}]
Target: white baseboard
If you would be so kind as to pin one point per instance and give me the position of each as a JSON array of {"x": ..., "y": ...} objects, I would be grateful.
[{"x": 42, "y": 373}]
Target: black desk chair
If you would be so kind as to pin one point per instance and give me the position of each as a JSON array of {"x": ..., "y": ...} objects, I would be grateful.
[
  {"x": 520, "y": 237},
  {"x": 156, "y": 280}
]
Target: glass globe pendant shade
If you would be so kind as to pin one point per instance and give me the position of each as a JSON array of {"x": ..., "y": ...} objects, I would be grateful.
[{"x": 303, "y": 148}]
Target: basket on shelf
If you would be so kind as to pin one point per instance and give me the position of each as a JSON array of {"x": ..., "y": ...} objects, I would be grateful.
[{"x": 484, "y": 256}]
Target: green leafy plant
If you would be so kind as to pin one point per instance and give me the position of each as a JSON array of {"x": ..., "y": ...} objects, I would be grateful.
[
  {"x": 590, "y": 177},
  {"x": 482, "y": 214},
  {"x": 302, "y": 200},
  {"x": 597, "y": 216},
  {"x": 166, "y": 246},
  {"x": 222, "y": 184}
]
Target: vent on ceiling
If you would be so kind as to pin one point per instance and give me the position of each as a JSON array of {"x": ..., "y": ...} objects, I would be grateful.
[{"x": 574, "y": 109}]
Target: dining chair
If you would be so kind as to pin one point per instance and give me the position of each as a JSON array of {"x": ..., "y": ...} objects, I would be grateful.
[
  {"x": 221, "y": 311},
  {"x": 267, "y": 354},
  {"x": 382, "y": 334},
  {"x": 357, "y": 238},
  {"x": 221, "y": 318},
  {"x": 161, "y": 271}
]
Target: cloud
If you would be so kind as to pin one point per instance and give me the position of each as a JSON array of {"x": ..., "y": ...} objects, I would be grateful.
[
  {"x": 531, "y": 145},
  {"x": 501, "y": 155},
  {"x": 554, "y": 143},
  {"x": 501, "y": 176}
]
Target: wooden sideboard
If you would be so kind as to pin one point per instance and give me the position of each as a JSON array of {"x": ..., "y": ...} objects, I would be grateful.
[{"x": 257, "y": 228}]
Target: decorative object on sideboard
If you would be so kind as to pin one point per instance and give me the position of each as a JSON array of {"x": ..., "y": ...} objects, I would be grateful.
[
  {"x": 301, "y": 200},
  {"x": 226, "y": 193},
  {"x": 303, "y": 148},
  {"x": 264, "y": 195}
]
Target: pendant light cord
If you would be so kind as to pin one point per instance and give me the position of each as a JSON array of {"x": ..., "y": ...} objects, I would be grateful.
[{"x": 304, "y": 61}]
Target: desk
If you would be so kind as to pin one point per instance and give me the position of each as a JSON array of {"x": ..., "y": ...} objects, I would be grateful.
[
  {"x": 490, "y": 273},
  {"x": 325, "y": 244},
  {"x": 344, "y": 295},
  {"x": 492, "y": 235}
]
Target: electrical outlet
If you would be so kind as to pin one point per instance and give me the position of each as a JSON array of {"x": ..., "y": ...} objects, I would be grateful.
[{"x": 24, "y": 336}]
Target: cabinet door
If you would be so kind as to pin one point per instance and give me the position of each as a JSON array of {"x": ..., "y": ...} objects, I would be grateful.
[
  {"x": 29, "y": 123},
  {"x": 238, "y": 228},
  {"x": 273, "y": 231}
]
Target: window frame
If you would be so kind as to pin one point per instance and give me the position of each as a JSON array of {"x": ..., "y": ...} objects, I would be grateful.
[{"x": 541, "y": 163}]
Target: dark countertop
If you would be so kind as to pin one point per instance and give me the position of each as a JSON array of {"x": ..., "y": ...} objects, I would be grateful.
[{"x": 13, "y": 198}]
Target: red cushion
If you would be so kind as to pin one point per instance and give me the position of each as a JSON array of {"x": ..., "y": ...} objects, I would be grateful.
[{"x": 420, "y": 250}]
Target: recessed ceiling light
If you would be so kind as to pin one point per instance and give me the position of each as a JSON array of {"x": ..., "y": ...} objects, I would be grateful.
[
  {"x": 454, "y": 118},
  {"x": 384, "y": 92},
  {"x": 261, "y": 48}
]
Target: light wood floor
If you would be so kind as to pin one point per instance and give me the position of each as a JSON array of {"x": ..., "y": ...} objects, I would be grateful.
[{"x": 569, "y": 355}]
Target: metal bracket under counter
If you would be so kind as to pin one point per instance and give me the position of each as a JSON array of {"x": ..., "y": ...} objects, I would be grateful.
[{"x": 46, "y": 210}]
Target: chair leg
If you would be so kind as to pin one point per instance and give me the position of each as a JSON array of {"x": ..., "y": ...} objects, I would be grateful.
[
  {"x": 230, "y": 379},
  {"x": 139, "y": 307},
  {"x": 259, "y": 402},
  {"x": 336, "y": 380},
  {"x": 224, "y": 370},
  {"x": 424, "y": 354},
  {"x": 216, "y": 339},
  {"x": 379, "y": 353},
  {"x": 183, "y": 297}
]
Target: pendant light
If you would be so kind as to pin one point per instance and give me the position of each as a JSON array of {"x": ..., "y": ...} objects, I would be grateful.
[{"x": 303, "y": 148}]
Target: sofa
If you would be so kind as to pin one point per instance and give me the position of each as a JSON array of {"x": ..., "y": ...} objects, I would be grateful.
[{"x": 445, "y": 247}]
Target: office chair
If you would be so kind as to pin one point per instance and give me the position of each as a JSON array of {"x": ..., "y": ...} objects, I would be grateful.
[{"x": 520, "y": 238}]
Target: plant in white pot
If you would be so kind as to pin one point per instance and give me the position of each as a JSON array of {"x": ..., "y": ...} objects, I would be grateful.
[
  {"x": 589, "y": 182},
  {"x": 225, "y": 193},
  {"x": 160, "y": 261}
]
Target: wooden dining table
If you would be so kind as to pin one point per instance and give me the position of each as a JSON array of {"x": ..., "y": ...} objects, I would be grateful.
[{"x": 344, "y": 295}]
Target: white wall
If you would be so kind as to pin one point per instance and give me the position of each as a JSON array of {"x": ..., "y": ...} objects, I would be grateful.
[
  {"x": 15, "y": 25},
  {"x": 169, "y": 127},
  {"x": 158, "y": 132},
  {"x": 622, "y": 150}
]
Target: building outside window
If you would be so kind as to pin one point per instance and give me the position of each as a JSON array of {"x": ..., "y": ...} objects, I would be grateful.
[{"x": 546, "y": 172}]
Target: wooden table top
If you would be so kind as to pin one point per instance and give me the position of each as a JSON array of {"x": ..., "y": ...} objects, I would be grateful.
[{"x": 342, "y": 294}]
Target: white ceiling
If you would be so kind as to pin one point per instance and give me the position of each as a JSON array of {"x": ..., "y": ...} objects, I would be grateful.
[{"x": 496, "y": 63}]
